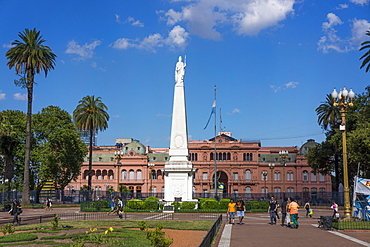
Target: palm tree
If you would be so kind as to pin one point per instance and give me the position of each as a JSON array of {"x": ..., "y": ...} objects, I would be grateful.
[
  {"x": 90, "y": 115},
  {"x": 327, "y": 113},
  {"x": 29, "y": 57},
  {"x": 366, "y": 56}
]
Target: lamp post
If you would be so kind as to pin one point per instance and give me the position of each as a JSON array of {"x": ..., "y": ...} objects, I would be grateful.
[
  {"x": 283, "y": 156},
  {"x": 264, "y": 178},
  {"x": 151, "y": 167},
  {"x": 118, "y": 156},
  {"x": 344, "y": 99},
  {"x": 272, "y": 166}
]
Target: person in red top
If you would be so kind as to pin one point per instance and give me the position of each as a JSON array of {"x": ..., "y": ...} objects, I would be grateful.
[{"x": 293, "y": 209}]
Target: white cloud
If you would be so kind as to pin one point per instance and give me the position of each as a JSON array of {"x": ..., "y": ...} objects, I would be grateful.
[
  {"x": 151, "y": 42},
  {"x": 2, "y": 96},
  {"x": 95, "y": 66},
  {"x": 360, "y": 2},
  {"x": 8, "y": 46},
  {"x": 134, "y": 22},
  {"x": 342, "y": 6},
  {"x": 19, "y": 96},
  {"x": 177, "y": 37},
  {"x": 122, "y": 43},
  {"x": 236, "y": 111},
  {"x": 286, "y": 86},
  {"x": 332, "y": 41},
  {"x": 248, "y": 17},
  {"x": 83, "y": 51},
  {"x": 359, "y": 28}
]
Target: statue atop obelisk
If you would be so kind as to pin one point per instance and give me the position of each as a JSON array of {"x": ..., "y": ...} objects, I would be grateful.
[{"x": 178, "y": 170}]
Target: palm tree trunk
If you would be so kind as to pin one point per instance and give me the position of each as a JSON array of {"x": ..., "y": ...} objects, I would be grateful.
[
  {"x": 26, "y": 172},
  {"x": 89, "y": 181}
]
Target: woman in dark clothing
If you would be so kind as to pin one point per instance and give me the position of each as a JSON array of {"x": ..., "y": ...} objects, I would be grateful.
[{"x": 15, "y": 211}]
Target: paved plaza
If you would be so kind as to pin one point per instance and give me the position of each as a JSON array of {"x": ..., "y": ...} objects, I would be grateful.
[{"x": 255, "y": 231}]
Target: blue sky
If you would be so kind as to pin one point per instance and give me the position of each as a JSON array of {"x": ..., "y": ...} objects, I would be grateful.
[{"x": 273, "y": 62}]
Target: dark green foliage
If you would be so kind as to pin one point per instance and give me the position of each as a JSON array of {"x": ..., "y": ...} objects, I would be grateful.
[
  {"x": 55, "y": 222},
  {"x": 209, "y": 204},
  {"x": 151, "y": 203},
  {"x": 143, "y": 225},
  {"x": 157, "y": 238},
  {"x": 135, "y": 204},
  {"x": 188, "y": 205},
  {"x": 223, "y": 203},
  {"x": 7, "y": 228}
]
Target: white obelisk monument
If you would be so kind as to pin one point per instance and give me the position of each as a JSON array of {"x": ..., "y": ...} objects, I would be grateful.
[{"x": 178, "y": 180}]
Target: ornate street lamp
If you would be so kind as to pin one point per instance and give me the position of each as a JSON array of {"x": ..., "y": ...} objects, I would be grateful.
[
  {"x": 118, "y": 156},
  {"x": 151, "y": 167},
  {"x": 283, "y": 156},
  {"x": 272, "y": 166},
  {"x": 344, "y": 99},
  {"x": 264, "y": 178}
]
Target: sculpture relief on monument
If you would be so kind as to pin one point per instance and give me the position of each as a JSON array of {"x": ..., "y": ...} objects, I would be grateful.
[{"x": 178, "y": 170}]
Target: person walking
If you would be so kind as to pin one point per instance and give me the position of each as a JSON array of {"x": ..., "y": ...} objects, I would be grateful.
[
  {"x": 112, "y": 205},
  {"x": 120, "y": 208},
  {"x": 284, "y": 207},
  {"x": 15, "y": 211},
  {"x": 231, "y": 209},
  {"x": 273, "y": 210},
  {"x": 307, "y": 206},
  {"x": 334, "y": 206},
  {"x": 240, "y": 209},
  {"x": 293, "y": 209},
  {"x": 287, "y": 219}
]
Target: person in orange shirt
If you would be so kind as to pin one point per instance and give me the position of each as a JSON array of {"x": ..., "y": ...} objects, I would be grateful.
[
  {"x": 293, "y": 209},
  {"x": 231, "y": 210}
]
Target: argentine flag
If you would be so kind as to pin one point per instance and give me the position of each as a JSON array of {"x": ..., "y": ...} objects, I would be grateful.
[{"x": 212, "y": 112}]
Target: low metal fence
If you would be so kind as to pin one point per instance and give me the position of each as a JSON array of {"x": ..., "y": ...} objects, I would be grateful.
[{"x": 207, "y": 240}]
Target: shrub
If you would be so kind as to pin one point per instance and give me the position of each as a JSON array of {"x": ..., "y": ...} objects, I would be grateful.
[
  {"x": 223, "y": 203},
  {"x": 188, "y": 205},
  {"x": 209, "y": 204},
  {"x": 151, "y": 203},
  {"x": 176, "y": 205},
  {"x": 135, "y": 204},
  {"x": 157, "y": 238},
  {"x": 7, "y": 228},
  {"x": 55, "y": 222}
]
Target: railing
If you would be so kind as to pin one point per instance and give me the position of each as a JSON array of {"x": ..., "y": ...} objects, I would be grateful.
[
  {"x": 76, "y": 197},
  {"x": 207, "y": 240}
]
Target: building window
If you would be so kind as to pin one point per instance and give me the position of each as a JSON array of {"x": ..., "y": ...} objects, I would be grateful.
[
  {"x": 277, "y": 176},
  {"x": 265, "y": 190},
  {"x": 248, "y": 175},
  {"x": 235, "y": 176},
  {"x": 305, "y": 176},
  {"x": 248, "y": 192},
  {"x": 131, "y": 175},
  {"x": 290, "y": 176},
  {"x": 313, "y": 177},
  {"x": 322, "y": 178},
  {"x": 205, "y": 176},
  {"x": 314, "y": 190},
  {"x": 138, "y": 175},
  {"x": 124, "y": 175},
  {"x": 193, "y": 157},
  {"x": 305, "y": 189},
  {"x": 236, "y": 193},
  {"x": 322, "y": 189},
  {"x": 277, "y": 190},
  {"x": 248, "y": 157}
]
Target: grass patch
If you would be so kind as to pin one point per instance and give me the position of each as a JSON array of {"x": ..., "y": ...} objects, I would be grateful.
[
  {"x": 17, "y": 237},
  {"x": 352, "y": 225}
]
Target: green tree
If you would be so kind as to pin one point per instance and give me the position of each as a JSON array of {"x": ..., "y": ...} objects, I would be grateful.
[
  {"x": 59, "y": 151},
  {"x": 29, "y": 56},
  {"x": 327, "y": 113},
  {"x": 366, "y": 57},
  {"x": 91, "y": 115}
]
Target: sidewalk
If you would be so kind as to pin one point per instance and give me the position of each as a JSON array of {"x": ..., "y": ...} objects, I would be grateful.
[{"x": 257, "y": 232}]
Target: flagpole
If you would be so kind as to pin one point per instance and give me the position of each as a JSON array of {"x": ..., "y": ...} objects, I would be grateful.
[{"x": 215, "y": 153}]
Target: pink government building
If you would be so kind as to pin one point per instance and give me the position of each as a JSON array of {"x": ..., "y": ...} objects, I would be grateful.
[{"x": 244, "y": 168}]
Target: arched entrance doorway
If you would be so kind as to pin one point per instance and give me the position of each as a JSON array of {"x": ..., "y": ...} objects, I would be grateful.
[{"x": 223, "y": 179}]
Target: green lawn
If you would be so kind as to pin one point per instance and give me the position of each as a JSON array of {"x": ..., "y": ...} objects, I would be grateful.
[{"x": 96, "y": 232}]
